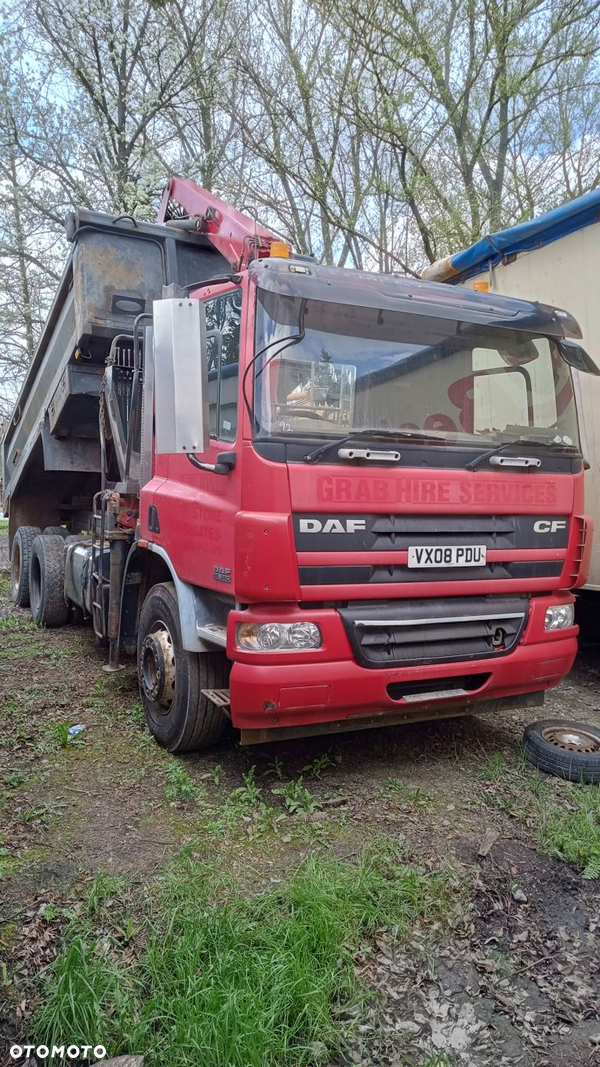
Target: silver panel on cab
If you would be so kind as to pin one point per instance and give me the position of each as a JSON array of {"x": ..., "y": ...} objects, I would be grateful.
[{"x": 180, "y": 377}]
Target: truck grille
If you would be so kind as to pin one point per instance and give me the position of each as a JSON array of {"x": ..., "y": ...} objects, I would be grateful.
[
  {"x": 398, "y": 572},
  {"x": 394, "y": 532},
  {"x": 411, "y": 632},
  {"x": 381, "y": 534}
]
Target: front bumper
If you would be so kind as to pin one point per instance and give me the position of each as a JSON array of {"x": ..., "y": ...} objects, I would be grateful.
[{"x": 271, "y": 691}]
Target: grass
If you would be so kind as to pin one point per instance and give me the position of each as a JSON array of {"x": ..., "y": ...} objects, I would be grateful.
[
  {"x": 494, "y": 769},
  {"x": 275, "y": 769},
  {"x": 179, "y": 784},
  {"x": 572, "y": 833},
  {"x": 41, "y": 813},
  {"x": 412, "y": 797},
  {"x": 14, "y": 627},
  {"x": 216, "y": 978},
  {"x": 248, "y": 794},
  {"x": 319, "y": 765},
  {"x": 9, "y": 863},
  {"x": 296, "y": 797},
  {"x": 243, "y": 807},
  {"x": 214, "y": 775},
  {"x": 564, "y": 816}
]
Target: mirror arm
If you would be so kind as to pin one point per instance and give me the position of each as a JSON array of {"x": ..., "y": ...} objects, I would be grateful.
[
  {"x": 226, "y": 462},
  {"x": 217, "y": 280}
]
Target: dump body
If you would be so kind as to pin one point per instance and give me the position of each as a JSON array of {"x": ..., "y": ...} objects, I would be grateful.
[{"x": 116, "y": 269}]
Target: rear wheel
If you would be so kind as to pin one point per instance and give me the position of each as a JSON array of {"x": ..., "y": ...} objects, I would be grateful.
[
  {"x": 56, "y": 531},
  {"x": 47, "y": 581},
  {"x": 20, "y": 561},
  {"x": 172, "y": 680}
]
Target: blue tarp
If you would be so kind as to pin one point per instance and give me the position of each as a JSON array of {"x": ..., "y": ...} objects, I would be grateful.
[{"x": 527, "y": 235}]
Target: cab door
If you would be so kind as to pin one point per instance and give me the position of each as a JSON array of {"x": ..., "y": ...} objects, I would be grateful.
[{"x": 196, "y": 508}]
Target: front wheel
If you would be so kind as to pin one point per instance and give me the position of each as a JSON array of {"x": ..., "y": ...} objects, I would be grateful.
[{"x": 172, "y": 680}]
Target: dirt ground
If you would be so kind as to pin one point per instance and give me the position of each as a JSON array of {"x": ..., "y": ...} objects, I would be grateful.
[{"x": 513, "y": 980}]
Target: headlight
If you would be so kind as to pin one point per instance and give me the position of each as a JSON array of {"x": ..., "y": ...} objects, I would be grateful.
[
  {"x": 559, "y": 616},
  {"x": 278, "y": 636}
]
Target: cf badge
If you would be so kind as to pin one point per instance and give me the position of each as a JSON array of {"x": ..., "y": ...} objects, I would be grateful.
[{"x": 549, "y": 525}]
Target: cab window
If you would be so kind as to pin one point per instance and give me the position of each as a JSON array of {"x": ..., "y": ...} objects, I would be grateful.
[{"x": 223, "y": 318}]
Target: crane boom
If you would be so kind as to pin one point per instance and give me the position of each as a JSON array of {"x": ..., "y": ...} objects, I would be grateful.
[{"x": 236, "y": 236}]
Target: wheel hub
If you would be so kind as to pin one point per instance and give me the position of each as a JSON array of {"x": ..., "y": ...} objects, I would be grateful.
[
  {"x": 158, "y": 667},
  {"x": 571, "y": 739}
]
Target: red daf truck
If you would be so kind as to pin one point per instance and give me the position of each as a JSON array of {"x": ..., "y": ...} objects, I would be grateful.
[{"x": 308, "y": 499}]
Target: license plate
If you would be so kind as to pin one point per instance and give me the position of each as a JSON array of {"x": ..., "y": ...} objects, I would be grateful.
[{"x": 447, "y": 556}]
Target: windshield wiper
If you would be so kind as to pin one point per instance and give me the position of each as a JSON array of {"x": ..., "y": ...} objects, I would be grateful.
[
  {"x": 517, "y": 442},
  {"x": 285, "y": 342},
  {"x": 337, "y": 442}
]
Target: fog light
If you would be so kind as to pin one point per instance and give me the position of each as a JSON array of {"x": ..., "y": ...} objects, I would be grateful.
[
  {"x": 278, "y": 636},
  {"x": 559, "y": 616}
]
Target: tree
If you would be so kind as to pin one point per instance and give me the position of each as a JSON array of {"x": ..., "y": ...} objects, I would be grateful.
[
  {"x": 305, "y": 161},
  {"x": 478, "y": 80},
  {"x": 203, "y": 142},
  {"x": 373, "y": 133},
  {"x": 29, "y": 268},
  {"x": 87, "y": 98},
  {"x": 127, "y": 64}
]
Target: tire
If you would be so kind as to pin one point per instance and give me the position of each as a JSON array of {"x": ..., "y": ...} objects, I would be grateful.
[
  {"x": 47, "y": 581},
  {"x": 55, "y": 531},
  {"x": 171, "y": 679},
  {"x": 564, "y": 748},
  {"x": 20, "y": 560}
]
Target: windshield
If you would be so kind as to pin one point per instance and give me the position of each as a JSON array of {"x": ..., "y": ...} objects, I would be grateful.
[{"x": 356, "y": 368}]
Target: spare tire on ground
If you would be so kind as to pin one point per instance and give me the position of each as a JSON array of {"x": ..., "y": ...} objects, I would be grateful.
[{"x": 565, "y": 748}]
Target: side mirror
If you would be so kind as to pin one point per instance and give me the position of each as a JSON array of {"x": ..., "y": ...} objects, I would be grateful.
[
  {"x": 180, "y": 377},
  {"x": 577, "y": 357}
]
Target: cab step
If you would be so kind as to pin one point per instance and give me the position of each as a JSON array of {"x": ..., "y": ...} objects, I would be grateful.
[{"x": 220, "y": 697}]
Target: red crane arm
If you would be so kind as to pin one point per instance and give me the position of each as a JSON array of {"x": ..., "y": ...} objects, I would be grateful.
[{"x": 236, "y": 236}]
